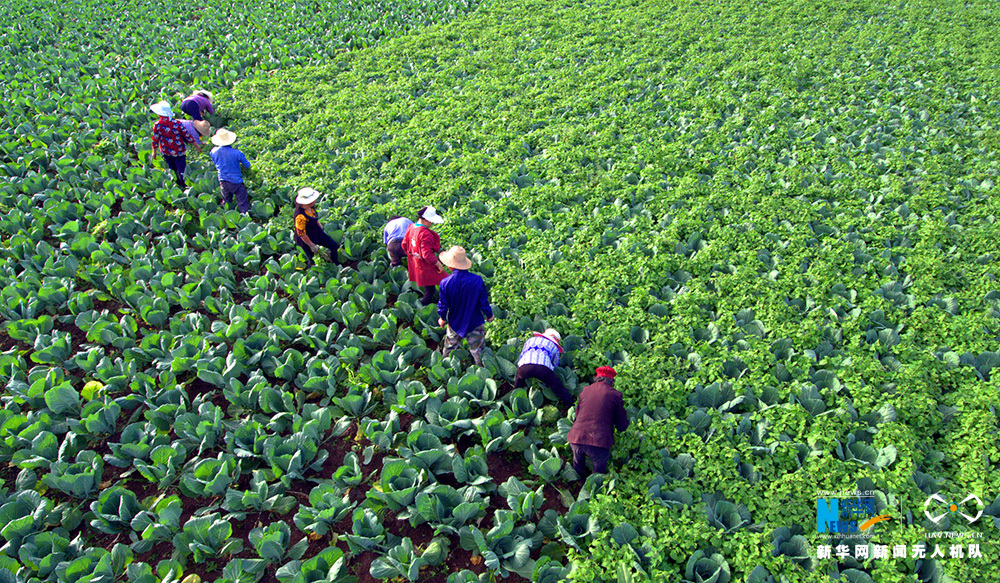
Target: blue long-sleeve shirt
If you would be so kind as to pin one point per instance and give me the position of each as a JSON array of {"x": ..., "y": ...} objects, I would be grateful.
[
  {"x": 228, "y": 160},
  {"x": 395, "y": 229},
  {"x": 539, "y": 350},
  {"x": 464, "y": 302}
]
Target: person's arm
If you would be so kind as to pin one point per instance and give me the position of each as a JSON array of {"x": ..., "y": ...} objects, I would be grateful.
[
  {"x": 621, "y": 417},
  {"x": 156, "y": 142},
  {"x": 244, "y": 161},
  {"x": 186, "y": 136},
  {"x": 484, "y": 302},
  {"x": 443, "y": 305},
  {"x": 428, "y": 252},
  {"x": 300, "y": 230}
]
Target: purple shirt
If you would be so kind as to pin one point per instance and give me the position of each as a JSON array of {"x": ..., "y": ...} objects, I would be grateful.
[
  {"x": 204, "y": 103},
  {"x": 189, "y": 126},
  {"x": 600, "y": 409},
  {"x": 464, "y": 302}
]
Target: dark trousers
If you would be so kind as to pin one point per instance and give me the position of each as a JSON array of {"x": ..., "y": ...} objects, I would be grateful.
[
  {"x": 190, "y": 107},
  {"x": 547, "y": 376},
  {"x": 318, "y": 237},
  {"x": 178, "y": 164},
  {"x": 598, "y": 458},
  {"x": 428, "y": 297},
  {"x": 238, "y": 190},
  {"x": 395, "y": 250}
]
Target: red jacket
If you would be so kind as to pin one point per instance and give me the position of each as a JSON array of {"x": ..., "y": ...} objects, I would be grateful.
[
  {"x": 599, "y": 411},
  {"x": 421, "y": 246}
]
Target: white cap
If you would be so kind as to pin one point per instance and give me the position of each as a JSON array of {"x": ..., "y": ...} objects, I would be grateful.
[{"x": 430, "y": 215}]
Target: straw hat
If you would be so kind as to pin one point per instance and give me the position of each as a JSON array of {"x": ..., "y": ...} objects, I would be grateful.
[
  {"x": 307, "y": 196},
  {"x": 162, "y": 108},
  {"x": 202, "y": 127},
  {"x": 223, "y": 137},
  {"x": 430, "y": 215},
  {"x": 203, "y": 93},
  {"x": 455, "y": 258},
  {"x": 552, "y": 335}
]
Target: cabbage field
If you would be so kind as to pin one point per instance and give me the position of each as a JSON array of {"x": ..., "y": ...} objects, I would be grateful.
[{"x": 777, "y": 220}]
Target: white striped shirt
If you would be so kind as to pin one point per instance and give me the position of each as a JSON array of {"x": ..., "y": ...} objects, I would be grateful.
[{"x": 540, "y": 350}]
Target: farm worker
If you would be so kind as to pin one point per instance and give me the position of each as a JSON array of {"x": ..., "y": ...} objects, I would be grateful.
[
  {"x": 392, "y": 236},
  {"x": 229, "y": 162},
  {"x": 464, "y": 305},
  {"x": 169, "y": 139},
  {"x": 197, "y": 129},
  {"x": 599, "y": 411},
  {"x": 421, "y": 244},
  {"x": 308, "y": 233},
  {"x": 196, "y": 104},
  {"x": 539, "y": 359}
]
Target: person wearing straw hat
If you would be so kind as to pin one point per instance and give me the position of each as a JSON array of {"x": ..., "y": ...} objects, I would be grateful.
[
  {"x": 196, "y": 104},
  {"x": 600, "y": 410},
  {"x": 464, "y": 305},
  {"x": 197, "y": 129},
  {"x": 170, "y": 138},
  {"x": 421, "y": 245},
  {"x": 539, "y": 359},
  {"x": 308, "y": 233},
  {"x": 230, "y": 163}
]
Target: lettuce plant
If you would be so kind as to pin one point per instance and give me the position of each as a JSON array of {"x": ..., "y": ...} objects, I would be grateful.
[
  {"x": 521, "y": 499},
  {"x": 404, "y": 561},
  {"x": 260, "y": 497},
  {"x": 399, "y": 484},
  {"x": 210, "y": 477},
  {"x": 114, "y": 510},
  {"x": 367, "y": 532},
  {"x": 272, "y": 543},
  {"x": 504, "y": 548},
  {"x": 160, "y": 524},
  {"x": 79, "y": 479},
  {"x": 207, "y": 536},
  {"x": 707, "y": 567},
  {"x": 328, "y": 505},
  {"x": 447, "y": 509}
]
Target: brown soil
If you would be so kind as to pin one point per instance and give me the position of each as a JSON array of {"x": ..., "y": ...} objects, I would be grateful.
[
  {"x": 361, "y": 565},
  {"x": 8, "y": 473},
  {"x": 8, "y": 343},
  {"x": 459, "y": 558},
  {"x": 553, "y": 501},
  {"x": 420, "y": 534},
  {"x": 112, "y": 306},
  {"x": 504, "y": 464},
  {"x": 338, "y": 447},
  {"x": 199, "y": 387},
  {"x": 77, "y": 336},
  {"x": 464, "y": 442},
  {"x": 405, "y": 419}
]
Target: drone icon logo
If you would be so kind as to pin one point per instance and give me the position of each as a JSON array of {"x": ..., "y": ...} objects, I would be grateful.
[{"x": 936, "y": 500}]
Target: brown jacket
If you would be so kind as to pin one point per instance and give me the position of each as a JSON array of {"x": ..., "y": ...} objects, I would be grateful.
[{"x": 599, "y": 411}]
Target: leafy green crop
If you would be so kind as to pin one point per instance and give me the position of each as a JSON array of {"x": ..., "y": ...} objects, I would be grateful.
[{"x": 777, "y": 222}]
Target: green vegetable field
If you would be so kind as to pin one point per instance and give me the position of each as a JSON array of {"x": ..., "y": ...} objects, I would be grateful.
[{"x": 776, "y": 220}]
